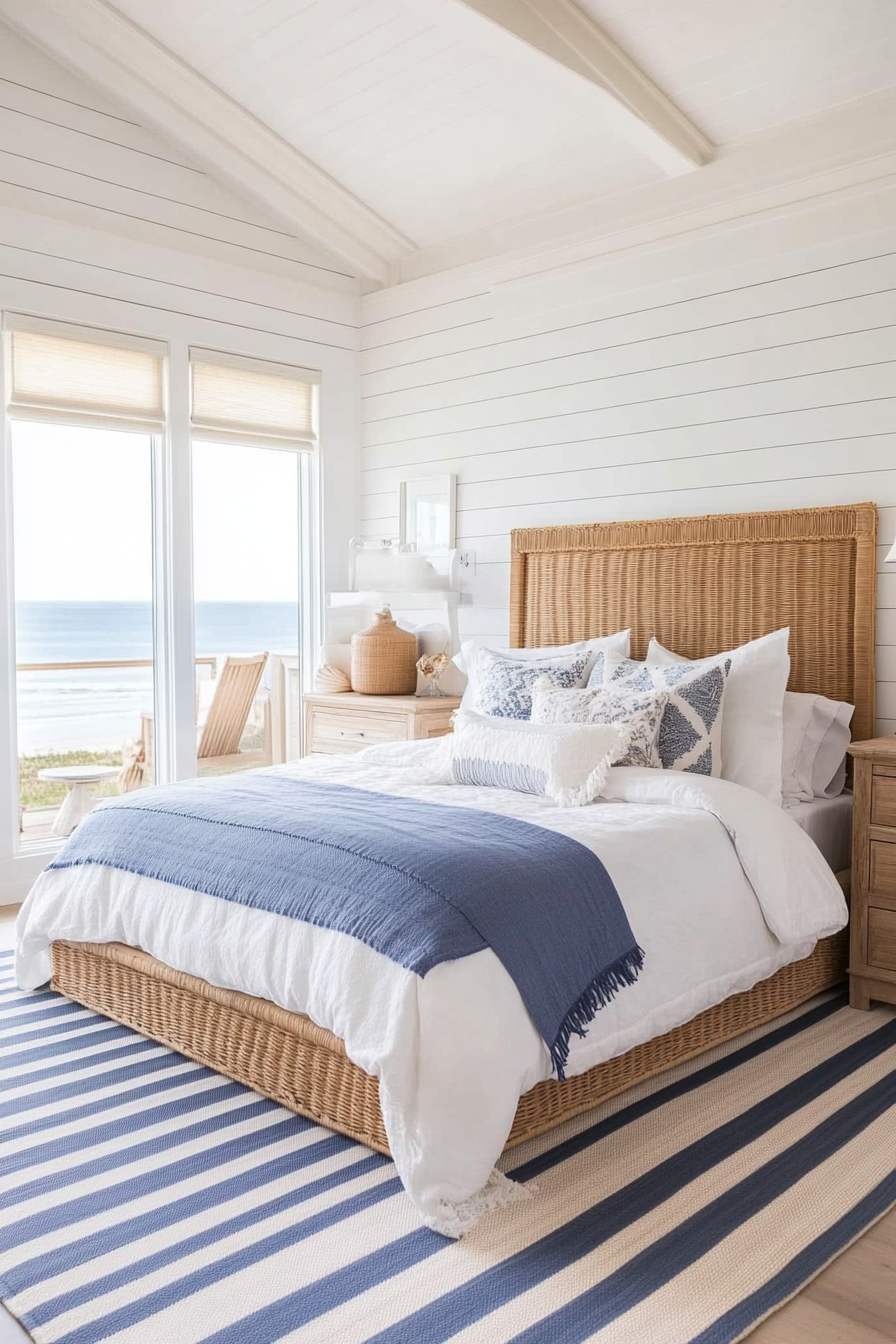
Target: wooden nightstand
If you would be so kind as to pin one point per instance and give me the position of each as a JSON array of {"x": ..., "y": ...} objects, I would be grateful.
[
  {"x": 872, "y": 939},
  {"x": 349, "y": 721}
]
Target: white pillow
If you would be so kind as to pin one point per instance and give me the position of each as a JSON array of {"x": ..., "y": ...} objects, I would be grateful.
[
  {"x": 467, "y": 659},
  {"x": 816, "y": 735},
  {"x": 640, "y": 711},
  {"x": 753, "y": 727},
  {"x": 690, "y": 734},
  {"x": 567, "y": 763}
]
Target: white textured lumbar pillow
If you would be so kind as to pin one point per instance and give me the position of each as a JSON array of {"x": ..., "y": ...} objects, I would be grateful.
[{"x": 567, "y": 763}]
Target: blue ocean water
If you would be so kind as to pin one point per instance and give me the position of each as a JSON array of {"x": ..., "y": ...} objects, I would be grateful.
[{"x": 99, "y": 708}]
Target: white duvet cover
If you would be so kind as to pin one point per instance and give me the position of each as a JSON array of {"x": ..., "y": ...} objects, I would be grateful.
[{"x": 720, "y": 886}]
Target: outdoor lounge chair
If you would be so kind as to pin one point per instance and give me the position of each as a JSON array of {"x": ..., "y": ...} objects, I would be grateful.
[{"x": 235, "y": 689}]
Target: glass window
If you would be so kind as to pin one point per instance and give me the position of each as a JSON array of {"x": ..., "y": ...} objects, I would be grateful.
[
  {"x": 82, "y": 505},
  {"x": 103, "y": 672},
  {"x": 246, "y": 571}
]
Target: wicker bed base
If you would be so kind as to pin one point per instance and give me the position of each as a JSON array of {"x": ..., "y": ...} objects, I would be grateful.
[{"x": 287, "y": 1057}]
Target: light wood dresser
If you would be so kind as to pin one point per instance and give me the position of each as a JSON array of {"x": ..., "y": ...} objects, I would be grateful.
[
  {"x": 872, "y": 944},
  {"x": 349, "y": 722}
]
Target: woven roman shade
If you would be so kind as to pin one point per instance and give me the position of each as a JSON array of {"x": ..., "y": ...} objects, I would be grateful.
[
  {"x": 251, "y": 401},
  {"x": 77, "y": 375}
]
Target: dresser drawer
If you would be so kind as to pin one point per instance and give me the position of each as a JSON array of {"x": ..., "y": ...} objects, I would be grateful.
[
  {"x": 883, "y": 800},
  {"x": 335, "y": 732},
  {"x": 882, "y": 938},
  {"x": 882, "y": 870}
]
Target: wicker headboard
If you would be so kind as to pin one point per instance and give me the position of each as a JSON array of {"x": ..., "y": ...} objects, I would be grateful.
[{"x": 701, "y": 585}]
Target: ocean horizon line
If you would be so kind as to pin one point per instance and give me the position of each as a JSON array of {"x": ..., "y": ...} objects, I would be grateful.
[{"x": 95, "y": 709}]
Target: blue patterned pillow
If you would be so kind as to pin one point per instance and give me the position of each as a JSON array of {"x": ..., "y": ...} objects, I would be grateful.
[
  {"x": 504, "y": 687},
  {"x": 690, "y": 734}
]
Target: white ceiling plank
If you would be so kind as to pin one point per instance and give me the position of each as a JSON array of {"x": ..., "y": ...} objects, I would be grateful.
[
  {"x": 642, "y": 111},
  {"x": 127, "y": 64}
]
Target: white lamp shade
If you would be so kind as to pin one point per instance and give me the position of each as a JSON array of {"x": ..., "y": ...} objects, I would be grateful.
[{"x": 891, "y": 553}]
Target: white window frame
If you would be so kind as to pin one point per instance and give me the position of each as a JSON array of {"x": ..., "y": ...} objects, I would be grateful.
[{"x": 174, "y": 736}]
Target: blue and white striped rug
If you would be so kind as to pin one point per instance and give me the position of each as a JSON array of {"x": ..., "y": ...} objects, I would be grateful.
[{"x": 148, "y": 1200}]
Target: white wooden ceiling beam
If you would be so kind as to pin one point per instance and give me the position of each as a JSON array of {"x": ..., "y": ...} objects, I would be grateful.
[
  {"x": 640, "y": 110},
  {"x": 109, "y": 51}
]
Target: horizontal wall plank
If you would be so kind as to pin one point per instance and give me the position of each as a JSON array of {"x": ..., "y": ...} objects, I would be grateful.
[
  {"x": 856, "y": 350},
  {"x": 791, "y": 335},
  {"x": 68, "y": 152},
  {"x": 694, "y": 498},
  {"x": 607, "y": 408},
  {"x": 506, "y": 342},
  {"x": 886, "y": 699},
  {"x": 302, "y": 294},
  {"x": 684, "y": 444},
  {"x": 174, "y": 213},
  {"x": 830, "y": 459},
  {"x": 886, "y": 662},
  {"x": 384, "y": 332},
  {"x": 121, "y": 287}
]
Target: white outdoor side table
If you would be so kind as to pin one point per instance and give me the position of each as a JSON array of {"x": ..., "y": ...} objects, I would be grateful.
[{"x": 81, "y": 781}]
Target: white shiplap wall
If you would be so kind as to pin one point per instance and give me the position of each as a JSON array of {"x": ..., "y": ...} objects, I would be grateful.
[
  {"x": 105, "y": 224},
  {"x": 750, "y": 368},
  {"x": 67, "y": 151}
]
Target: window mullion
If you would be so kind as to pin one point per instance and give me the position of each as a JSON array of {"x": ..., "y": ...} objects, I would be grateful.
[
  {"x": 175, "y": 748},
  {"x": 9, "y": 802}
]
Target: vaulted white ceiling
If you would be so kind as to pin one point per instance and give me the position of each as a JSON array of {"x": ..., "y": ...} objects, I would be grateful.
[
  {"x": 742, "y": 66},
  {"x": 437, "y": 118},
  {"x": 383, "y": 126}
]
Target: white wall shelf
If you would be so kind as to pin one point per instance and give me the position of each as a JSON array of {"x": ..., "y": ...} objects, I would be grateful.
[{"x": 423, "y": 599}]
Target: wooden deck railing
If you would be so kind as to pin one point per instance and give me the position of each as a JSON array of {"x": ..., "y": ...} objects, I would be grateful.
[
  {"x": 107, "y": 662},
  {"x": 282, "y": 708}
]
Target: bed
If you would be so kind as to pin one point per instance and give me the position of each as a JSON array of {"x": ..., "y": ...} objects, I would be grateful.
[{"x": 698, "y": 585}]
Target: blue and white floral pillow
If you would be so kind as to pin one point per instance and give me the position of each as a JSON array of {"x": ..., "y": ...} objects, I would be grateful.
[
  {"x": 690, "y": 734},
  {"x": 504, "y": 686},
  {"x": 640, "y": 711}
]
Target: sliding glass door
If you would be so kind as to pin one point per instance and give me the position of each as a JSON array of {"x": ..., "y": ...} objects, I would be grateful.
[
  {"x": 246, "y": 572},
  {"x": 160, "y": 575},
  {"x": 82, "y": 505}
]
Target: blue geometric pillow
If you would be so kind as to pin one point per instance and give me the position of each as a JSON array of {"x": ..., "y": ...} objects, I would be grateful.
[
  {"x": 690, "y": 734},
  {"x": 504, "y": 686}
]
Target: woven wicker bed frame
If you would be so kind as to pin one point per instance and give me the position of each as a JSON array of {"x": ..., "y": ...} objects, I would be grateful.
[{"x": 699, "y": 585}]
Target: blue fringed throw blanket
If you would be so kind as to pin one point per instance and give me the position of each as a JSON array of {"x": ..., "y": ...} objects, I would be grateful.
[{"x": 421, "y": 883}]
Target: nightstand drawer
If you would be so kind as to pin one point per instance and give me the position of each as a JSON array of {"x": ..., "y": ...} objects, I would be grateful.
[
  {"x": 883, "y": 801},
  {"x": 332, "y": 731},
  {"x": 882, "y": 870},
  {"x": 882, "y": 938}
]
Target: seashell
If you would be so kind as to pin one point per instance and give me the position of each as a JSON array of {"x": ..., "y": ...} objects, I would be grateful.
[{"x": 331, "y": 680}]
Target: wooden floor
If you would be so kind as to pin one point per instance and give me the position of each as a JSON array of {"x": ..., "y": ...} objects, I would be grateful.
[{"x": 852, "y": 1302}]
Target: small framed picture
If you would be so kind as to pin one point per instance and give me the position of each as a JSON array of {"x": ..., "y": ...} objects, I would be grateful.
[{"x": 427, "y": 513}]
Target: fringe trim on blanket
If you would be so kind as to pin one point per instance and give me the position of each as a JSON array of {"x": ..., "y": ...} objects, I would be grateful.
[
  {"x": 604, "y": 987},
  {"x": 453, "y": 1220}
]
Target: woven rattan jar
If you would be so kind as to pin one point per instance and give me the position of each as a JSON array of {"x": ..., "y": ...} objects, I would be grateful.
[{"x": 384, "y": 658}]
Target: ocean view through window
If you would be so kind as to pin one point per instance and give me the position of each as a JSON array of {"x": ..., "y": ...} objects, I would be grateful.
[
  {"x": 97, "y": 709},
  {"x": 82, "y": 507},
  {"x": 160, "y": 578}
]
